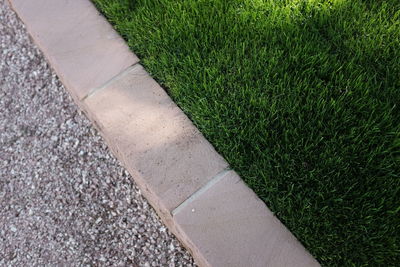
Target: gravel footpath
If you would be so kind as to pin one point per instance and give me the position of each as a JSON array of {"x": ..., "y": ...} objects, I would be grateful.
[{"x": 64, "y": 199}]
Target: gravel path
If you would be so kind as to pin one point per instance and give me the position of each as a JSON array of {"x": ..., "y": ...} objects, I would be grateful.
[{"x": 64, "y": 199}]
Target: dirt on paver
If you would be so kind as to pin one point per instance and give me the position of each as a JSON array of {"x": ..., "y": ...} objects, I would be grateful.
[{"x": 64, "y": 199}]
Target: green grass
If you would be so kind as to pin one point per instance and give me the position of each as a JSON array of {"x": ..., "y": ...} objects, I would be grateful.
[{"x": 301, "y": 97}]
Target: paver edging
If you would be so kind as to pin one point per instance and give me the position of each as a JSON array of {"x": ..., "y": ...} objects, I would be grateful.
[{"x": 203, "y": 203}]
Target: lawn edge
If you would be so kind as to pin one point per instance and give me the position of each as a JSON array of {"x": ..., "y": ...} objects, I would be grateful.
[{"x": 225, "y": 183}]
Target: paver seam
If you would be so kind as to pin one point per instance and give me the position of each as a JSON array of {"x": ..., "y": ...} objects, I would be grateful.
[
  {"x": 96, "y": 89},
  {"x": 205, "y": 187}
]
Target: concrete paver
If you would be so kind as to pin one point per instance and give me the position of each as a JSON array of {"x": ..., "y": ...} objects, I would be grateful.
[
  {"x": 80, "y": 44},
  {"x": 230, "y": 226},
  {"x": 154, "y": 138}
]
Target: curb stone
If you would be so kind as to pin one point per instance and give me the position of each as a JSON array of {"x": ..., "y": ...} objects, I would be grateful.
[{"x": 204, "y": 203}]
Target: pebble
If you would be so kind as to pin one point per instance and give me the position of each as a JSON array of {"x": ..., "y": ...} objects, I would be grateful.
[{"x": 64, "y": 199}]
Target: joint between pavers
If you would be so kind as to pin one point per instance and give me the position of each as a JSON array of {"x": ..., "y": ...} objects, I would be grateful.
[
  {"x": 107, "y": 83},
  {"x": 200, "y": 191}
]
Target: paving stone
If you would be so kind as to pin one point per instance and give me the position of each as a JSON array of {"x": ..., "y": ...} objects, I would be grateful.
[
  {"x": 80, "y": 44},
  {"x": 230, "y": 226},
  {"x": 154, "y": 138}
]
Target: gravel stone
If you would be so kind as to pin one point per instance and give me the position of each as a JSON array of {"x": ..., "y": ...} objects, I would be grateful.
[{"x": 64, "y": 199}]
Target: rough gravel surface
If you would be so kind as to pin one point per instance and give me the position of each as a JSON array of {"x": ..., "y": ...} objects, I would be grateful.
[{"x": 64, "y": 199}]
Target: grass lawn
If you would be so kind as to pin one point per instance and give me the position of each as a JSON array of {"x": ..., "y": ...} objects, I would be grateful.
[{"x": 302, "y": 97}]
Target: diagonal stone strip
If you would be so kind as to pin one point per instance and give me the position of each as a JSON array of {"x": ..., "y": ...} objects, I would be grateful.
[{"x": 208, "y": 207}]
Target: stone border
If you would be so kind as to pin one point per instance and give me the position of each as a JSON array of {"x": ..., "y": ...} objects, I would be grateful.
[{"x": 201, "y": 200}]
